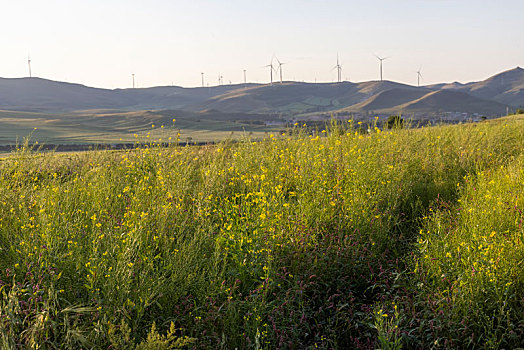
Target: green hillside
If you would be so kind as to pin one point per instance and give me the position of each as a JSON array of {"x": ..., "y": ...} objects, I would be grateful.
[
  {"x": 405, "y": 238},
  {"x": 98, "y": 126}
]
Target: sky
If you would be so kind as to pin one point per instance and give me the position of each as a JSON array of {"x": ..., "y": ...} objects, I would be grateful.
[{"x": 101, "y": 43}]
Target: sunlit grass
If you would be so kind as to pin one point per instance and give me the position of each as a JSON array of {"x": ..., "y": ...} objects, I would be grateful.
[
  {"x": 298, "y": 240},
  {"x": 473, "y": 253}
]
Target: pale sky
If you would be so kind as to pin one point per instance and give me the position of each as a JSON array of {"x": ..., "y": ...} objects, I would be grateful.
[{"x": 100, "y": 43}]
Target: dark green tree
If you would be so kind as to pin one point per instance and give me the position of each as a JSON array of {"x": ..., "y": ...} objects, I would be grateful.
[{"x": 395, "y": 122}]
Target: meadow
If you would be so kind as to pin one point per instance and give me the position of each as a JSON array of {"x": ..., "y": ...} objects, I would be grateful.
[
  {"x": 405, "y": 238},
  {"x": 113, "y": 126}
]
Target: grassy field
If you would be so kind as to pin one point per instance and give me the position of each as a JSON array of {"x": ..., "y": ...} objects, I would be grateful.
[
  {"x": 394, "y": 239},
  {"x": 94, "y": 127}
]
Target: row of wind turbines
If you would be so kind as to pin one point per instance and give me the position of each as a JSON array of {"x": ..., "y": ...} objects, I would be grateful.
[{"x": 276, "y": 68}]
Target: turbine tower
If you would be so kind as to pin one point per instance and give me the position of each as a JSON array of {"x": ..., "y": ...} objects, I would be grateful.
[
  {"x": 133, "y": 74},
  {"x": 202, "y": 74},
  {"x": 338, "y": 67},
  {"x": 280, "y": 64},
  {"x": 271, "y": 69},
  {"x": 381, "y": 59},
  {"x": 419, "y": 76},
  {"x": 29, "y": 64},
  {"x": 245, "y": 79}
]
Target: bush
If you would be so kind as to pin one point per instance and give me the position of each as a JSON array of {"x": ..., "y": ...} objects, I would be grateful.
[{"x": 394, "y": 122}]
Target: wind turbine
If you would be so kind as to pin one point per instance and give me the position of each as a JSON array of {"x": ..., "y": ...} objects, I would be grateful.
[
  {"x": 29, "y": 64},
  {"x": 419, "y": 76},
  {"x": 133, "y": 74},
  {"x": 381, "y": 59},
  {"x": 245, "y": 79},
  {"x": 271, "y": 69},
  {"x": 338, "y": 67},
  {"x": 280, "y": 64},
  {"x": 202, "y": 74}
]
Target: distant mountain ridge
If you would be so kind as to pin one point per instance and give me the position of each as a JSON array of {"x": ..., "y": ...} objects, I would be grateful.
[{"x": 489, "y": 97}]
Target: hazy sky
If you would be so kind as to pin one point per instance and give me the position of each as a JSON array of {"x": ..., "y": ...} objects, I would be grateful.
[{"x": 102, "y": 42}]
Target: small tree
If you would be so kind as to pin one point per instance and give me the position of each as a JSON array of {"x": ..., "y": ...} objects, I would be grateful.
[
  {"x": 519, "y": 111},
  {"x": 395, "y": 122}
]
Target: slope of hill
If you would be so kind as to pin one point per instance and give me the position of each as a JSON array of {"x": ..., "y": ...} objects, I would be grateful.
[
  {"x": 287, "y": 97},
  {"x": 388, "y": 99},
  {"x": 452, "y": 101},
  {"x": 110, "y": 126},
  {"x": 442, "y": 86},
  {"x": 299, "y": 98},
  {"x": 506, "y": 87},
  {"x": 36, "y": 94}
]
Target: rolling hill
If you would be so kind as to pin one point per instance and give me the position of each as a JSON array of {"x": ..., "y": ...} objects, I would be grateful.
[
  {"x": 506, "y": 87},
  {"x": 297, "y": 98},
  {"x": 69, "y": 112},
  {"x": 290, "y": 98},
  {"x": 37, "y": 94},
  {"x": 457, "y": 101},
  {"x": 425, "y": 101}
]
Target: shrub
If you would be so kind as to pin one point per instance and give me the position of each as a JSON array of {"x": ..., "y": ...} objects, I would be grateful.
[{"x": 394, "y": 122}]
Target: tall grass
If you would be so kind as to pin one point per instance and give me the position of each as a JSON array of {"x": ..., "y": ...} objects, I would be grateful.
[
  {"x": 302, "y": 241},
  {"x": 473, "y": 253}
]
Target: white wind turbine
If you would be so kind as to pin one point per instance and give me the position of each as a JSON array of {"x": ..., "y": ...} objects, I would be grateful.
[
  {"x": 271, "y": 69},
  {"x": 381, "y": 59},
  {"x": 338, "y": 67},
  {"x": 29, "y": 64},
  {"x": 419, "y": 76},
  {"x": 280, "y": 64}
]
